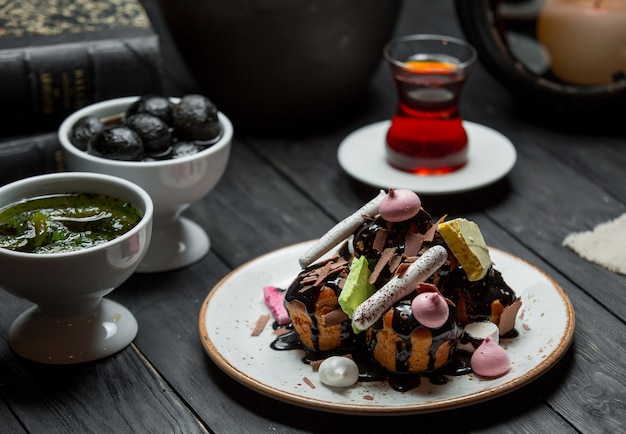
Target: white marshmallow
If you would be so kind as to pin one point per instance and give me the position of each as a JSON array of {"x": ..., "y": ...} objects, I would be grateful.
[
  {"x": 477, "y": 332},
  {"x": 338, "y": 371}
]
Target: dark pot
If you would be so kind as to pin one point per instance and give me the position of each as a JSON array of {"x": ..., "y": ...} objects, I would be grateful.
[
  {"x": 282, "y": 64},
  {"x": 490, "y": 26}
]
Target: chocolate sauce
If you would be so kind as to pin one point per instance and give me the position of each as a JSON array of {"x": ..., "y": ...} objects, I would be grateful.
[
  {"x": 365, "y": 235},
  {"x": 306, "y": 289},
  {"x": 404, "y": 324},
  {"x": 287, "y": 341},
  {"x": 396, "y": 233},
  {"x": 476, "y": 297},
  {"x": 466, "y": 339},
  {"x": 370, "y": 370},
  {"x": 308, "y": 293}
]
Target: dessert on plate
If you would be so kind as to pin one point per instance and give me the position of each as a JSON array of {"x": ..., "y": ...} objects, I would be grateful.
[{"x": 403, "y": 296}]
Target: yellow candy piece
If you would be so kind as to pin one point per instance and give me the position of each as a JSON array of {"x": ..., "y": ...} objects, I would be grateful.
[{"x": 466, "y": 242}]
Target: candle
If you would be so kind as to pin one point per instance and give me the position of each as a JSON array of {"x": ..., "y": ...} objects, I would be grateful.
[{"x": 586, "y": 39}]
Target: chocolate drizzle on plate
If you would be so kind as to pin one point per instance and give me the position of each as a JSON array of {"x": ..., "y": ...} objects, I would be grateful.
[{"x": 370, "y": 370}]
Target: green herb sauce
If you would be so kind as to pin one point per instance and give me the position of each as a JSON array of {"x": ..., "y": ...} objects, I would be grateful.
[{"x": 64, "y": 222}]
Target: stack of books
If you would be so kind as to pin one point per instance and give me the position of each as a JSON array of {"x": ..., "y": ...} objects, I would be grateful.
[{"x": 58, "y": 56}]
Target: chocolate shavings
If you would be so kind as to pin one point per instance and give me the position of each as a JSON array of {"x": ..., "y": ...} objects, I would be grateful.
[
  {"x": 334, "y": 317},
  {"x": 260, "y": 325}
]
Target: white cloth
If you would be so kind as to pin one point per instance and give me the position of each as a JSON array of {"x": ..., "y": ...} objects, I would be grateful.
[{"x": 605, "y": 245}]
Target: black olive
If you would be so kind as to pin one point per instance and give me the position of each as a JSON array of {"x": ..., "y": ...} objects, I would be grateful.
[
  {"x": 195, "y": 118},
  {"x": 154, "y": 133},
  {"x": 116, "y": 143},
  {"x": 158, "y": 106},
  {"x": 84, "y": 129},
  {"x": 183, "y": 149}
]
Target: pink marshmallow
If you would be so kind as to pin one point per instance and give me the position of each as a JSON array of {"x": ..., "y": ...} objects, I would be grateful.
[
  {"x": 490, "y": 360},
  {"x": 274, "y": 299},
  {"x": 430, "y": 309},
  {"x": 399, "y": 205}
]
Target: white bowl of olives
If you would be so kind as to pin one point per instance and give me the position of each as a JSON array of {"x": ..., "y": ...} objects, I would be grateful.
[
  {"x": 177, "y": 149},
  {"x": 66, "y": 241}
]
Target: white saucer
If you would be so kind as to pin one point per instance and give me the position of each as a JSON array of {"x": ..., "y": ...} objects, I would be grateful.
[{"x": 491, "y": 156}]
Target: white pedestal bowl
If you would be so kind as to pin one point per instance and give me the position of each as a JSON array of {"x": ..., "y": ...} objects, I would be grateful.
[
  {"x": 70, "y": 321},
  {"x": 173, "y": 185}
]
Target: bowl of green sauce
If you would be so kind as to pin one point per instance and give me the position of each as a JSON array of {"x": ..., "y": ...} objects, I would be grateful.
[
  {"x": 173, "y": 183},
  {"x": 66, "y": 241}
]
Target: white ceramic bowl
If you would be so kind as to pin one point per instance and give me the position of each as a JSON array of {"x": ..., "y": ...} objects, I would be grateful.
[
  {"x": 71, "y": 322},
  {"x": 173, "y": 185}
]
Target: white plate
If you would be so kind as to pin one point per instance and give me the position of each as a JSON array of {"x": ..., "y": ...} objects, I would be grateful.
[
  {"x": 490, "y": 157},
  {"x": 230, "y": 311}
]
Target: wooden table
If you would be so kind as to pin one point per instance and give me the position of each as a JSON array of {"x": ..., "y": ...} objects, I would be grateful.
[{"x": 278, "y": 191}]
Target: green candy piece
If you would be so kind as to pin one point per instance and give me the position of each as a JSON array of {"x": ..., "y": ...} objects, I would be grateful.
[{"x": 357, "y": 289}]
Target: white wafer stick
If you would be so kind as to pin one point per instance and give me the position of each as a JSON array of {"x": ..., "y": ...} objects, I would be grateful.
[
  {"x": 368, "y": 312},
  {"x": 341, "y": 231}
]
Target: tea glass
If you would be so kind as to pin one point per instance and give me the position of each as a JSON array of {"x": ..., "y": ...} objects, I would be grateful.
[{"x": 427, "y": 136}]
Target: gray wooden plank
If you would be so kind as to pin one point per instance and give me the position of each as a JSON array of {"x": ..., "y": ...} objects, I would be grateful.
[{"x": 104, "y": 396}]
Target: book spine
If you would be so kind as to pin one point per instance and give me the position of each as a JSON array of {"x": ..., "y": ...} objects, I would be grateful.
[
  {"x": 25, "y": 156},
  {"x": 41, "y": 85}
]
